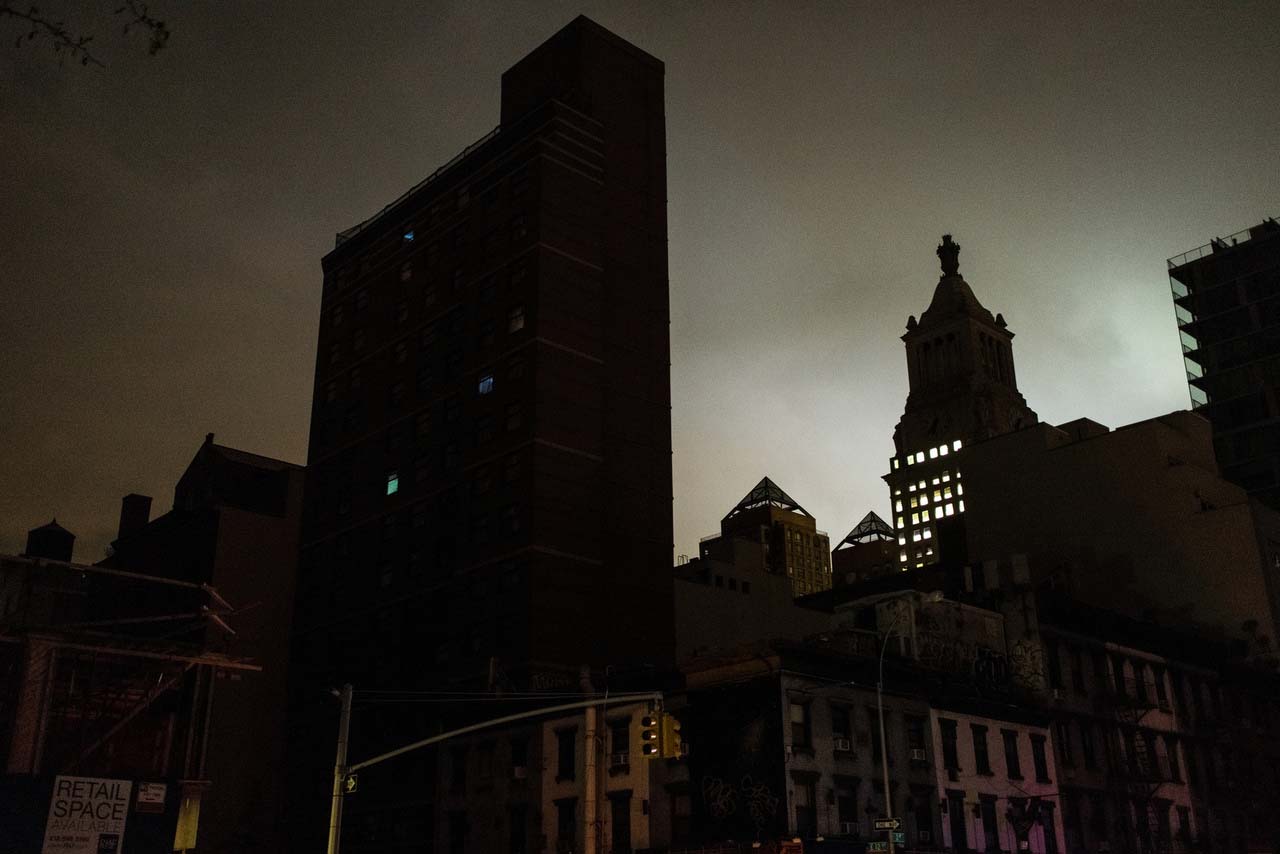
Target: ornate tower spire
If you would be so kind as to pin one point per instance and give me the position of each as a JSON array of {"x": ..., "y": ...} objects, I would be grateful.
[{"x": 949, "y": 255}]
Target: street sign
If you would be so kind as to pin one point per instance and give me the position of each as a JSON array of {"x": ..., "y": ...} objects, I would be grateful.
[
  {"x": 877, "y": 846},
  {"x": 349, "y": 785},
  {"x": 899, "y": 837},
  {"x": 888, "y": 823}
]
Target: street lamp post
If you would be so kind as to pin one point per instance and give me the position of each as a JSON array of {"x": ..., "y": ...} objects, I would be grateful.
[{"x": 935, "y": 596}]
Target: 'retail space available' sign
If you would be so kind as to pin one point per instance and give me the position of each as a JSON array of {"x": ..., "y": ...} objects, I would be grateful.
[{"x": 86, "y": 816}]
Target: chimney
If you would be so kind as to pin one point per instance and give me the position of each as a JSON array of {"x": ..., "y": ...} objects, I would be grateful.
[
  {"x": 51, "y": 542},
  {"x": 135, "y": 513}
]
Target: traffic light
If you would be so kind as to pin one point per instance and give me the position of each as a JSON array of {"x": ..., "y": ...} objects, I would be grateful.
[
  {"x": 672, "y": 745},
  {"x": 651, "y": 734}
]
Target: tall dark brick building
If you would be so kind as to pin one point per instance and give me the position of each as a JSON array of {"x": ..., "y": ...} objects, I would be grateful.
[{"x": 489, "y": 471}]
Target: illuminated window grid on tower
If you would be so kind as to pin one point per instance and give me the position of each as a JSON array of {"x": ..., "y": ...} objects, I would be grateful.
[{"x": 928, "y": 500}]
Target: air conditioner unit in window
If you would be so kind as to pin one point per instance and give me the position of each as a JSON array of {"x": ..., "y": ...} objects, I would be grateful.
[
  {"x": 1057, "y": 695},
  {"x": 917, "y": 754},
  {"x": 616, "y": 759},
  {"x": 924, "y": 837},
  {"x": 849, "y": 828},
  {"x": 842, "y": 745},
  {"x": 519, "y": 772}
]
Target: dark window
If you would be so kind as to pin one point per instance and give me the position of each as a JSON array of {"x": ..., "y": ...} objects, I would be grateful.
[
  {"x": 458, "y": 768},
  {"x": 847, "y": 805},
  {"x": 1048, "y": 828},
  {"x": 402, "y": 311},
  {"x": 840, "y": 723},
  {"x": 511, "y": 467},
  {"x": 806, "y": 808},
  {"x": 800, "y": 725},
  {"x": 1053, "y": 664},
  {"x": 514, "y": 417},
  {"x": 1012, "y": 766},
  {"x": 515, "y": 319},
  {"x": 566, "y": 825},
  {"x": 950, "y": 756},
  {"x": 620, "y": 822},
  {"x": 915, "y": 735},
  {"x": 566, "y": 754},
  {"x": 981, "y": 760},
  {"x": 362, "y": 299},
  {"x": 1038, "y": 757},
  {"x": 518, "y": 822},
  {"x": 1077, "y": 670},
  {"x": 484, "y": 761},
  {"x": 1062, "y": 737},
  {"x": 620, "y": 742},
  {"x": 990, "y": 833},
  {"x": 1088, "y": 747},
  {"x": 923, "y": 809},
  {"x": 519, "y": 753},
  {"x": 484, "y": 430},
  {"x": 457, "y": 833},
  {"x": 957, "y": 817},
  {"x": 1162, "y": 693},
  {"x": 1171, "y": 748}
]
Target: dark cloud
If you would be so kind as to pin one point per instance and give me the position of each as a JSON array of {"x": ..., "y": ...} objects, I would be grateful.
[{"x": 164, "y": 218}]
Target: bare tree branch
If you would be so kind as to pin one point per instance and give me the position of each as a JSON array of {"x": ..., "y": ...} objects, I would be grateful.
[{"x": 65, "y": 43}]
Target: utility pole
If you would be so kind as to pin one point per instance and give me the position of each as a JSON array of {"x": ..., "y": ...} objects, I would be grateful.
[
  {"x": 591, "y": 798},
  {"x": 340, "y": 769}
]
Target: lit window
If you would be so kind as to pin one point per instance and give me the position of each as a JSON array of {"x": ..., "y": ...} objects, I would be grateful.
[
  {"x": 915, "y": 535},
  {"x": 915, "y": 501},
  {"x": 408, "y": 236},
  {"x": 921, "y": 484},
  {"x": 915, "y": 518},
  {"x": 928, "y": 533},
  {"x": 924, "y": 499},
  {"x": 935, "y": 481},
  {"x": 897, "y": 492},
  {"x": 911, "y": 459},
  {"x": 900, "y": 525},
  {"x": 942, "y": 451},
  {"x": 486, "y": 384},
  {"x": 912, "y": 487},
  {"x": 937, "y": 494},
  {"x": 924, "y": 515},
  {"x": 959, "y": 489},
  {"x": 515, "y": 319},
  {"x": 895, "y": 463},
  {"x": 946, "y": 475},
  {"x": 902, "y": 556},
  {"x": 929, "y": 551},
  {"x": 897, "y": 505},
  {"x": 902, "y": 541},
  {"x": 961, "y": 508},
  {"x": 393, "y": 483},
  {"x": 955, "y": 446},
  {"x": 946, "y": 492},
  {"x": 933, "y": 453}
]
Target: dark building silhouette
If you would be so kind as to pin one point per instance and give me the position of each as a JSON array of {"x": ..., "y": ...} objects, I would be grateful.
[
  {"x": 963, "y": 389},
  {"x": 50, "y": 541},
  {"x": 234, "y": 525},
  {"x": 791, "y": 544},
  {"x": 489, "y": 468},
  {"x": 1226, "y": 296},
  {"x": 868, "y": 551}
]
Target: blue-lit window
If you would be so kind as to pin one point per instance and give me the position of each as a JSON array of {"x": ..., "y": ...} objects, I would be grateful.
[
  {"x": 393, "y": 483},
  {"x": 486, "y": 384},
  {"x": 408, "y": 236}
]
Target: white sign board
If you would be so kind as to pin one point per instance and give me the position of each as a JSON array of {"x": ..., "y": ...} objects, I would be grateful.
[
  {"x": 151, "y": 797},
  {"x": 86, "y": 816}
]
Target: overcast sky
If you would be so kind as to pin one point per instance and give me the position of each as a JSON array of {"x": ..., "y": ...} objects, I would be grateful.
[{"x": 163, "y": 219}]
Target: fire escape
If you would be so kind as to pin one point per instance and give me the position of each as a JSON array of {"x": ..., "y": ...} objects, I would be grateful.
[{"x": 1142, "y": 822}]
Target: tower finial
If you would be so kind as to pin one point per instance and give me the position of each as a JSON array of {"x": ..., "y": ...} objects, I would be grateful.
[{"x": 949, "y": 255}]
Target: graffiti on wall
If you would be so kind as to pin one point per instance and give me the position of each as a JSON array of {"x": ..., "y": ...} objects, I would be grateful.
[{"x": 757, "y": 800}]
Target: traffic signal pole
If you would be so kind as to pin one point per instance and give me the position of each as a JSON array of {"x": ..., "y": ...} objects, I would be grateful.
[{"x": 340, "y": 770}]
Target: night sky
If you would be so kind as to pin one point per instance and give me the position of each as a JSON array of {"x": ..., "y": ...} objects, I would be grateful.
[{"x": 164, "y": 218}]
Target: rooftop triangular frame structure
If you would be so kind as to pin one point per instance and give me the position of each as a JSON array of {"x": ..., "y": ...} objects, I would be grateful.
[{"x": 766, "y": 493}]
